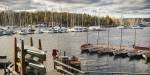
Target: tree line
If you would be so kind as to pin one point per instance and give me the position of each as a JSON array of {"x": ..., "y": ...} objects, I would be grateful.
[{"x": 59, "y": 18}]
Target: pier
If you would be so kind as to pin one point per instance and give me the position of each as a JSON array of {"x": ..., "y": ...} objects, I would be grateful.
[{"x": 18, "y": 67}]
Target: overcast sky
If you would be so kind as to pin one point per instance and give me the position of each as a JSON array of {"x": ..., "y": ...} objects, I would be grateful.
[{"x": 125, "y": 8}]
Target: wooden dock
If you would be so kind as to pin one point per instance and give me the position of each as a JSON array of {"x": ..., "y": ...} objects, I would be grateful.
[
  {"x": 7, "y": 49},
  {"x": 50, "y": 65}
]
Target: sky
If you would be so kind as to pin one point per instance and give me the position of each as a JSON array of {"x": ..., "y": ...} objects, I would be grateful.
[{"x": 117, "y": 8}]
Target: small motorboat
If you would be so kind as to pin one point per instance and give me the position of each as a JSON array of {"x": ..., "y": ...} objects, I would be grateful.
[
  {"x": 96, "y": 28},
  {"x": 22, "y": 32},
  {"x": 120, "y": 53},
  {"x": 58, "y": 29},
  {"x": 105, "y": 51},
  {"x": 146, "y": 55},
  {"x": 137, "y": 27},
  {"x": 122, "y": 27},
  {"x": 135, "y": 55},
  {"x": 78, "y": 29},
  {"x": 140, "y": 48},
  {"x": 75, "y": 62},
  {"x": 86, "y": 47}
]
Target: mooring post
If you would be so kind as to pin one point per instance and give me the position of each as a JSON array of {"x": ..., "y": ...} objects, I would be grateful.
[
  {"x": 8, "y": 72},
  {"x": 31, "y": 41},
  {"x": 5, "y": 73},
  {"x": 64, "y": 53},
  {"x": 15, "y": 55},
  {"x": 40, "y": 45},
  {"x": 54, "y": 64},
  {"x": 23, "y": 68}
]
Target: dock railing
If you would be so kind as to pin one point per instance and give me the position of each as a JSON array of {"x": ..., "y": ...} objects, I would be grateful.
[
  {"x": 58, "y": 65},
  {"x": 10, "y": 70}
]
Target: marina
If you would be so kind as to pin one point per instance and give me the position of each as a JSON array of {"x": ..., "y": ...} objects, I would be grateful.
[
  {"x": 74, "y": 37},
  {"x": 58, "y": 43}
]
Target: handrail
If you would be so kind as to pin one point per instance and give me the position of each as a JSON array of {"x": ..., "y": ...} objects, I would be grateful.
[
  {"x": 69, "y": 67},
  {"x": 11, "y": 70}
]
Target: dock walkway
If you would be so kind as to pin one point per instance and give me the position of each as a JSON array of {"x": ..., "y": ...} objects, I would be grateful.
[
  {"x": 50, "y": 66},
  {"x": 48, "y": 63}
]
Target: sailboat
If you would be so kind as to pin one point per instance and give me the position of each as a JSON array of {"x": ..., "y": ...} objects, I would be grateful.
[
  {"x": 122, "y": 26},
  {"x": 137, "y": 25},
  {"x": 58, "y": 29},
  {"x": 8, "y": 30},
  {"x": 120, "y": 52},
  {"x": 87, "y": 47},
  {"x": 96, "y": 28}
]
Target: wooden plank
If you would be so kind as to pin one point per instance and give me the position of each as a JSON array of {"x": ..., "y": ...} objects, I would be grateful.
[
  {"x": 49, "y": 63},
  {"x": 60, "y": 68},
  {"x": 69, "y": 67},
  {"x": 12, "y": 70}
]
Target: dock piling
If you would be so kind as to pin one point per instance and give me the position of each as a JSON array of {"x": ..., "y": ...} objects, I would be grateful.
[
  {"x": 15, "y": 54},
  {"x": 40, "y": 45},
  {"x": 31, "y": 41},
  {"x": 23, "y": 67}
]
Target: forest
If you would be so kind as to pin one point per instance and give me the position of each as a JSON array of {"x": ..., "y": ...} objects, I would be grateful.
[{"x": 61, "y": 18}]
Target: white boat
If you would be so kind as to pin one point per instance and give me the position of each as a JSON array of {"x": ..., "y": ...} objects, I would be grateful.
[
  {"x": 146, "y": 55},
  {"x": 47, "y": 30},
  {"x": 95, "y": 28},
  {"x": 38, "y": 31},
  {"x": 78, "y": 29},
  {"x": 58, "y": 29},
  {"x": 1, "y": 32},
  {"x": 121, "y": 27},
  {"x": 64, "y": 29},
  {"x": 7, "y": 32},
  {"x": 22, "y": 32},
  {"x": 137, "y": 27},
  {"x": 30, "y": 31}
]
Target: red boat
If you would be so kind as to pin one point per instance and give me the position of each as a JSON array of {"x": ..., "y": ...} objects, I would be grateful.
[
  {"x": 86, "y": 47},
  {"x": 141, "y": 48}
]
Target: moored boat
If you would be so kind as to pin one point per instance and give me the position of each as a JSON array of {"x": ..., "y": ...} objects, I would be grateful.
[
  {"x": 58, "y": 29},
  {"x": 22, "y": 32},
  {"x": 105, "y": 51},
  {"x": 120, "y": 53},
  {"x": 78, "y": 29},
  {"x": 135, "y": 55},
  {"x": 137, "y": 27},
  {"x": 122, "y": 27},
  {"x": 86, "y": 47},
  {"x": 146, "y": 56},
  {"x": 96, "y": 28}
]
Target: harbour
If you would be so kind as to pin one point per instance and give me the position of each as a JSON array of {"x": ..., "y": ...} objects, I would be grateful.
[
  {"x": 74, "y": 37},
  {"x": 105, "y": 63}
]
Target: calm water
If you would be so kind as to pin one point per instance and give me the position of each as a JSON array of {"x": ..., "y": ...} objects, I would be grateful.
[{"x": 70, "y": 42}]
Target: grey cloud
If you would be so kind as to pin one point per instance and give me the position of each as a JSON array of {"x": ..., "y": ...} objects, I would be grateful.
[
  {"x": 101, "y": 6},
  {"x": 76, "y": 1}
]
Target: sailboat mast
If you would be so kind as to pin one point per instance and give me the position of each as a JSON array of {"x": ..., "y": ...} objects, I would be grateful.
[
  {"x": 61, "y": 15},
  {"x": 67, "y": 20},
  {"x": 82, "y": 19},
  {"x": 134, "y": 37},
  {"x": 121, "y": 40},
  {"x": 121, "y": 33},
  {"x": 87, "y": 26},
  {"x": 98, "y": 31},
  {"x": 108, "y": 37},
  {"x": 20, "y": 19}
]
